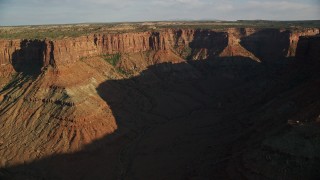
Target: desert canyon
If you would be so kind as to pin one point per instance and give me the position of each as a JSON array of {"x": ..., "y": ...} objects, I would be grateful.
[{"x": 175, "y": 103}]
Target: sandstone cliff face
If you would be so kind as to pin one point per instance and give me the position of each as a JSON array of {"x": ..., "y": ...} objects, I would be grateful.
[
  {"x": 295, "y": 37},
  {"x": 272, "y": 45},
  {"x": 309, "y": 49},
  {"x": 7, "y": 49},
  {"x": 266, "y": 45},
  {"x": 22, "y": 54}
]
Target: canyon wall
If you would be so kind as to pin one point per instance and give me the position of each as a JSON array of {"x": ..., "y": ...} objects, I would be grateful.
[
  {"x": 263, "y": 44},
  {"x": 273, "y": 45},
  {"x": 309, "y": 49}
]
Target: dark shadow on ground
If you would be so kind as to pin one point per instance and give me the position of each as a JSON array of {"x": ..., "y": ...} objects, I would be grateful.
[{"x": 180, "y": 121}]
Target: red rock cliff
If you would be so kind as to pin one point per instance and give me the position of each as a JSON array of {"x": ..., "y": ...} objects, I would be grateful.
[{"x": 265, "y": 45}]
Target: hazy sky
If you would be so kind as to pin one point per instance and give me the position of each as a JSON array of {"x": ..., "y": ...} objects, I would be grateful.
[{"x": 22, "y": 12}]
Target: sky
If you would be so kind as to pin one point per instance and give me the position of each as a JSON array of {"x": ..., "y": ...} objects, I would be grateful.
[{"x": 32, "y": 12}]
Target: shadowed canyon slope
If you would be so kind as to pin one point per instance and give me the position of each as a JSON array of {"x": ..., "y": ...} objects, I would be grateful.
[{"x": 173, "y": 104}]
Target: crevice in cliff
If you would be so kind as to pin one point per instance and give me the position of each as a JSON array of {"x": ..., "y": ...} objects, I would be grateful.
[{"x": 52, "y": 60}]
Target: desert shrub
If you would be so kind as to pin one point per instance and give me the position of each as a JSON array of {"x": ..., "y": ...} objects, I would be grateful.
[{"x": 112, "y": 59}]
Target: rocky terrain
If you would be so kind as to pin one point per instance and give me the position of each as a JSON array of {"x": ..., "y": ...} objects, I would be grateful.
[{"x": 234, "y": 103}]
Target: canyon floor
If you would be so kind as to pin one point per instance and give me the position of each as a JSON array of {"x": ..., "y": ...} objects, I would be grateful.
[{"x": 234, "y": 103}]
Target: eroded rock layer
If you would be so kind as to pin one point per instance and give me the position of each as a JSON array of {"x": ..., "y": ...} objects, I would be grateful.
[{"x": 266, "y": 44}]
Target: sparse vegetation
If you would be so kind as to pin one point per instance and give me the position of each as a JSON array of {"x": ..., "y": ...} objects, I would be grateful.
[
  {"x": 112, "y": 59},
  {"x": 148, "y": 53},
  {"x": 75, "y": 30},
  {"x": 83, "y": 58},
  {"x": 186, "y": 52},
  {"x": 122, "y": 71}
]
